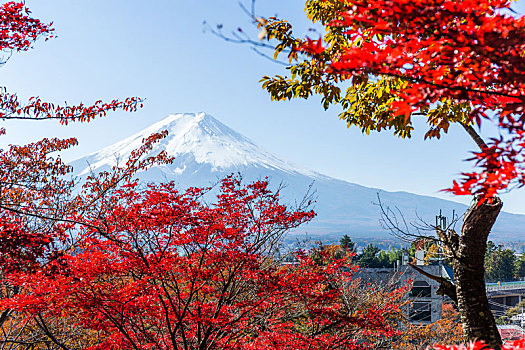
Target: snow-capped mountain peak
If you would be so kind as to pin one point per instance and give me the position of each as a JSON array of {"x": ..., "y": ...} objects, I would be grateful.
[{"x": 198, "y": 137}]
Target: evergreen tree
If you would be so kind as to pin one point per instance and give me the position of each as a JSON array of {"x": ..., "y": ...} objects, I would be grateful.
[
  {"x": 347, "y": 244},
  {"x": 499, "y": 263},
  {"x": 519, "y": 266}
]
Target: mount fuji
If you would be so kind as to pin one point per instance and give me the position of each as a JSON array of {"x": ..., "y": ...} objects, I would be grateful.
[{"x": 206, "y": 150}]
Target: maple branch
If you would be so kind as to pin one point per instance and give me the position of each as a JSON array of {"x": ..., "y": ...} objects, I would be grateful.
[
  {"x": 36, "y": 109},
  {"x": 3, "y": 317},
  {"x": 119, "y": 326},
  {"x": 42, "y": 325},
  {"x": 240, "y": 37},
  {"x": 445, "y": 286},
  {"x": 423, "y": 81},
  {"x": 6, "y": 313},
  {"x": 45, "y": 217},
  {"x": 475, "y": 136}
]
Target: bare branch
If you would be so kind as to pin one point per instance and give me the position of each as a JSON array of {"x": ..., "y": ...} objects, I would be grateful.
[
  {"x": 445, "y": 286},
  {"x": 41, "y": 323},
  {"x": 397, "y": 225},
  {"x": 239, "y": 36}
]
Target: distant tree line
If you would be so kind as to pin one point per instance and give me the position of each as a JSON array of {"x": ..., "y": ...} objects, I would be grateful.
[
  {"x": 371, "y": 256},
  {"x": 501, "y": 264}
]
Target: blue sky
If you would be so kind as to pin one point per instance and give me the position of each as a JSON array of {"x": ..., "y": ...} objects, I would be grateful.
[{"x": 158, "y": 50}]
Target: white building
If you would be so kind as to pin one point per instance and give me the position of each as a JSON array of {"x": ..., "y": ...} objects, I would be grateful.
[{"x": 426, "y": 306}]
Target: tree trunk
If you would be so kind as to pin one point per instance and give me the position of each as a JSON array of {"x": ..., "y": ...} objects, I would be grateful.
[{"x": 469, "y": 273}]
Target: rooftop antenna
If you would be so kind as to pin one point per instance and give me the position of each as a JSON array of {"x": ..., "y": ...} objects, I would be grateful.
[
  {"x": 441, "y": 221},
  {"x": 442, "y": 224}
]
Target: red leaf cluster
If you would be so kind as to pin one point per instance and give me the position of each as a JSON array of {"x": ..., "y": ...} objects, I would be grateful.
[
  {"x": 36, "y": 109},
  {"x": 467, "y": 51},
  {"x": 480, "y": 345},
  {"x": 502, "y": 163},
  {"x": 17, "y": 30}
]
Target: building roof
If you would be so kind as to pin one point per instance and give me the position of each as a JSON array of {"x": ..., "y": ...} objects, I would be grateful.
[{"x": 511, "y": 332}]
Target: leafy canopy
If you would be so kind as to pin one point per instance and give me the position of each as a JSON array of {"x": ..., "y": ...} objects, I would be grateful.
[{"x": 386, "y": 62}]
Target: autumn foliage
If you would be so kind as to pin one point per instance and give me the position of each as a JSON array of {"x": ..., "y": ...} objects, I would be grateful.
[
  {"x": 114, "y": 264},
  {"x": 449, "y": 61},
  {"x": 413, "y": 336},
  {"x": 36, "y": 194},
  {"x": 19, "y": 30},
  {"x": 479, "y": 345},
  {"x": 159, "y": 269}
]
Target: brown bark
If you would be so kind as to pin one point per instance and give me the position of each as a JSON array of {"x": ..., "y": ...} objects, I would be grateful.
[
  {"x": 474, "y": 135},
  {"x": 445, "y": 286},
  {"x": 469, "y": 273}
]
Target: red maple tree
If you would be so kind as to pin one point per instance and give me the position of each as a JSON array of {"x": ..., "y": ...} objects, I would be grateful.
[
  {"x": 32, "y": 182},
  {"x": 469, "y": 52},
  {"x": 36, "y": 197},
  {"x": 159, "y": 269}
]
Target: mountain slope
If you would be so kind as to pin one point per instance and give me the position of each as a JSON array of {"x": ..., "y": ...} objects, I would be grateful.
[
  {"x": 201, "y": 138},
  {"x": 206, "y": 150}
]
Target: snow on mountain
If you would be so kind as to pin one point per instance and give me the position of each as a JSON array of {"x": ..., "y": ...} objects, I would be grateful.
[
  {"x": 206, "y": 150},
  {"x": 201, "y": 137}
]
